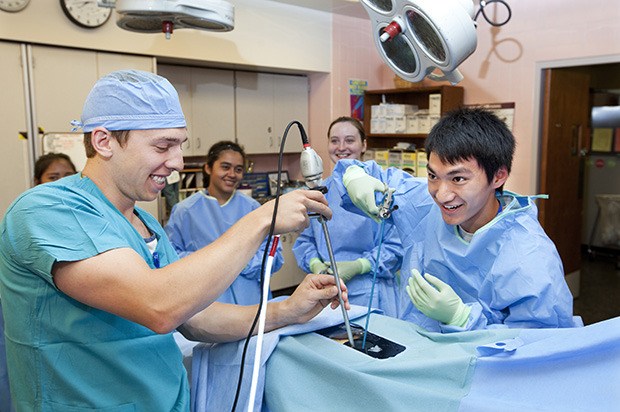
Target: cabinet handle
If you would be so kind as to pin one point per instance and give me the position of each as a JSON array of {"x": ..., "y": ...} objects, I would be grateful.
[{"x": 198, "y": 143}]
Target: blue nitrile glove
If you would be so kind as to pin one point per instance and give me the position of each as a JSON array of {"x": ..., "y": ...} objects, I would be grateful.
[
  {"x": 437, "y": 300},
  {"x": 361, "y": 188},
  {"x": 349, "y": 268},
  {"x": 318, "y": 266}
]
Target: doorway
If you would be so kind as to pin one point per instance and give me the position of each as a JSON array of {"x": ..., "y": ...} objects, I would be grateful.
[{"x": 597, "y": 282}]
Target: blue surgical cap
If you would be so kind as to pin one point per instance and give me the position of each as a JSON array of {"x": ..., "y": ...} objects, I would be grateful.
[{"x": 132, "y": 100}]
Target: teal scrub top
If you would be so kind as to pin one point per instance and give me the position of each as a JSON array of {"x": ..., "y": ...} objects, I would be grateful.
[{"x": 64, "y": 355}]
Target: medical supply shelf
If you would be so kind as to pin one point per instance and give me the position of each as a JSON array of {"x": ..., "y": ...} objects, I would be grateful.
[
  {"x": 191, "y": 182},
  {"x": 451, "y": 98}
]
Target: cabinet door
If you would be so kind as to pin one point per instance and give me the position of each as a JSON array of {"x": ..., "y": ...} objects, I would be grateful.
[
  {"x": 266, "y": 104},
  {"x": 62, "y": 80},
  {"x": 14, "y": 158},
  {"x": 290, "y": 103},
  {"x": 213, "y": 108},
  {"x": 181, "y": 79},
  {"x": 109, "y": 62},
  {"x": 254, "y": 112}
]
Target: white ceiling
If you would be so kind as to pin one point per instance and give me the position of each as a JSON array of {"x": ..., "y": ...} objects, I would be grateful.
[{"x": 352, "y": 8}]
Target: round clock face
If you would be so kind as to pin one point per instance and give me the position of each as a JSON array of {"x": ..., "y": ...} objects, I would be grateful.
[
  {"x": 85, "y": 13},
  {"x": 13, "y": 5}
]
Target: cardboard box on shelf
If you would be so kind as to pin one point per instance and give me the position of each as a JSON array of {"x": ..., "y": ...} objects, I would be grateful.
[
  {"x": 412, "y": 124},
  {"x": 377, "y": 125},
  {"x": 421, "y": 163},
  {"x": 377, "y": 111},
  {"x": 409, "y": 161},
  {"x": 400, "y": 124},
  {"x": 395, "y": 158},
  {"x": 400, "y": 109},
  {"x": 382, "y": 157},
  {"x": 423, "y": 121},
  {"x": 390, "y": 124},
  {"x": 369, "y": 154},
  {"x": 434, "y": 103}
]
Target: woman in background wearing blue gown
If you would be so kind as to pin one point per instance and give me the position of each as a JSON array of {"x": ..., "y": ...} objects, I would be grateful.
[
  {"x": 206, "y": 215},
  {"x": 355, "y": 238}
]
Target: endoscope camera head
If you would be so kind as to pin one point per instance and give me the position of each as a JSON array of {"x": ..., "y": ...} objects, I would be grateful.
[{"x": 311, "y": 166}]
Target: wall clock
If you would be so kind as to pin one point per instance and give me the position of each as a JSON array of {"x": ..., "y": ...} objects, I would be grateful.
[
  {"x": 13, "y": 5},
  {"x": 86, "y": 13}
]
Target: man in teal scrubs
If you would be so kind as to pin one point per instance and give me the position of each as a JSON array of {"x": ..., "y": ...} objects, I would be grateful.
[{"x": 90, "y": 285}]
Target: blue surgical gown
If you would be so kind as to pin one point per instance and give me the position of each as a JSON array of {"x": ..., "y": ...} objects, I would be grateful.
[
  {"x": 510, "y": 273},
  {"x": 63, "y": 354},
  {"x": 199, "y": 220},
  {"x": 355, "y": 236}
]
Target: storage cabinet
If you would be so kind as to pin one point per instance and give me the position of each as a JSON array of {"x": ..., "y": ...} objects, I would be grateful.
[
  {"x": 191, "y": 181},
  {"x": 15, "y": 156},
  {"x": 59, "y": 93},
  {"x": 208, "y": 102},
  {"x": 451, "y": 98},
  {"x": 251, "y": 108},
  {"x": 265, "y": 104}
]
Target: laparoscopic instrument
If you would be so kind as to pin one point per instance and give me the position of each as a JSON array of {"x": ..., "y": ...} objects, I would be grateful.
[{"x": 312, "y": 170}]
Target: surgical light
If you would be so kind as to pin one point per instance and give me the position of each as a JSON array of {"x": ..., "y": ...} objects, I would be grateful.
[
  {"x": 416, "y": 37},
  {"x": 152, "y": 16}
]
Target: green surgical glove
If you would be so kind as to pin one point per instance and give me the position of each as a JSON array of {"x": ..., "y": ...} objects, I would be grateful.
[
  {"x": 361, "y": 188},
  {"x": 437, "y": 300},
  {"x": 349, "y": 268},
  {"x": 318, "y": 266}
]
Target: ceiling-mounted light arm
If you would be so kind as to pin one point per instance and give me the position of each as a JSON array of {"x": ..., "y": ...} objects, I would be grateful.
[
  {"x": 166, "y": 15},
  {"x": 396, "y": 27},
  {"x": 454, "y": 77},
  {"x": 417, "y": 38}
]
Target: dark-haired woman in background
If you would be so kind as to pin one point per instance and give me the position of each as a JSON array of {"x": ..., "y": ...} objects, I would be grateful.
[
  {"x": 355, "y": 239},
  {"x": 206, "y": 215},
  {"x": 53, "y": 166}
]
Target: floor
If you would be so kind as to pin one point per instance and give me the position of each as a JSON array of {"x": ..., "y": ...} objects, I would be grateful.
[{"x": 599, "y": 297}]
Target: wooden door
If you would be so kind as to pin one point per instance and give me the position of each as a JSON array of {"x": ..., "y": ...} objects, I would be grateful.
[{"x": 565, "y": 122}]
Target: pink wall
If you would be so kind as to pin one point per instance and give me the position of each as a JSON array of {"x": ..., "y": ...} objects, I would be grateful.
[
  {"x": 354, "y": 57},
  {"x": 502, "y": 69},
  {"x": 504, "y": 66}
]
